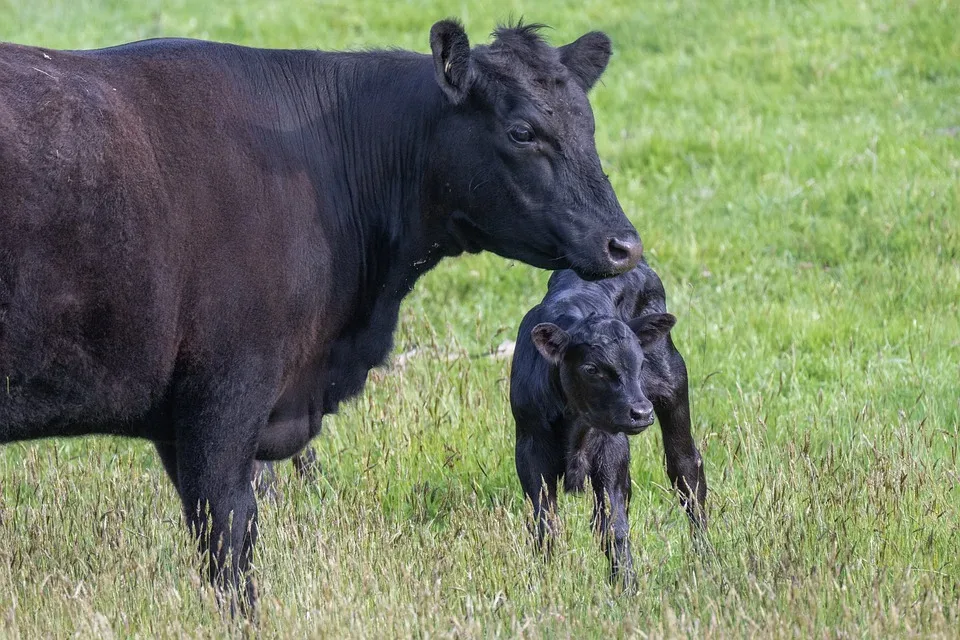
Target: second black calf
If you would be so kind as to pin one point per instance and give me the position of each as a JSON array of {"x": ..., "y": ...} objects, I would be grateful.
[{"x": 594, "y": 361}]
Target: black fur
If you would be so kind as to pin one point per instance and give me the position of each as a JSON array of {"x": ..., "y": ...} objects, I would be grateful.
[
  {"x": 593, "y": 361},
  {"x": 206, "y": 245}
]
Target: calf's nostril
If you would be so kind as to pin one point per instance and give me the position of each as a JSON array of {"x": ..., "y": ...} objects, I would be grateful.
[{"x": 640, "y": 415}]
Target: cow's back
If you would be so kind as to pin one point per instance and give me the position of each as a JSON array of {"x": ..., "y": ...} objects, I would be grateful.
[{"x": 134, "y": 233}]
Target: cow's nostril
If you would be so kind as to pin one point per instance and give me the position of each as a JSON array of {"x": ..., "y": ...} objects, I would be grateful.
[
  {"x": 624, "y": 252},
  {"x": 638, "y": 414},
  {"x": 618, "y": 250}
]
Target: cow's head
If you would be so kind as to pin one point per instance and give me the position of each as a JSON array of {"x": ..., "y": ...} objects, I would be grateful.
[
  {"x": 600, "y": 361},
  {"x": 514, "y": 168}
]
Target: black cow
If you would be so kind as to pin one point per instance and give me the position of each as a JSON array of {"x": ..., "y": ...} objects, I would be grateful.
[
  {"x": 206, "y": 245},
  {"x": 592, "y": 363}
]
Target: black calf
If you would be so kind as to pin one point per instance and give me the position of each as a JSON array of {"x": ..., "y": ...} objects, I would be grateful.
[{"x": 593, "y": 362}]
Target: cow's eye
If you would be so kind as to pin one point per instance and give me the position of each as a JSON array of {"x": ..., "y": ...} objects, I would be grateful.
[
  {"x": 521, "y": 134},
  {"x": 591, "y": 370}
]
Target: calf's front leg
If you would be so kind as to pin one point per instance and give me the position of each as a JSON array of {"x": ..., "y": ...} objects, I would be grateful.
[
  {"x": 610, "y": 477},
  {"x": 539, "y": 468}
]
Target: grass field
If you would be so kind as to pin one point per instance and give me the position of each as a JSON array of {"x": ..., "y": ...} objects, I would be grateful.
[{"x": 793, "y": 169}]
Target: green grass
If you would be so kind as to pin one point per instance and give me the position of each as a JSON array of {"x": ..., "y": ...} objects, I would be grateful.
[{"x": 793, "y": 169}]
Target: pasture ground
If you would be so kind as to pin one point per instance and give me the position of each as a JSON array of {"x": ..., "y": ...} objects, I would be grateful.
[{"x": 793, "y": 170}]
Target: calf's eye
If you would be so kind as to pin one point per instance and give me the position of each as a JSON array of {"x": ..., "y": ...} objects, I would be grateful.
[
  {"x": 590, "y": 370},
  {"x": 521, "y": 134}
]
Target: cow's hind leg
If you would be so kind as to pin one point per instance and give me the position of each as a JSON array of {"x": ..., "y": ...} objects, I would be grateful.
[
  {"x": 168, "y": 456},
  {"x": 217, "y": 426}
]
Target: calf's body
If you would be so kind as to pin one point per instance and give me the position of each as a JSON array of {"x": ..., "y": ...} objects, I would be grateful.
[{"x": 593, "y": 361}]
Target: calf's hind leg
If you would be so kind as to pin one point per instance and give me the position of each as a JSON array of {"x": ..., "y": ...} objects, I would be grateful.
[
  {"x": 667, "y": 388},
  {"x": 306, "y": 464},
  {"x": 264, "y": 478}
]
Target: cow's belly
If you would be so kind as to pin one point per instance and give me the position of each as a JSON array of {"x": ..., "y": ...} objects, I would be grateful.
[
  {"x": 295, "y": 418},
  {"x": 284, "y": 436}
]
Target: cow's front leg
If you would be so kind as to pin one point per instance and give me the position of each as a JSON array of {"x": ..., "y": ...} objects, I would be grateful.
[
  {"x": 671, "y": 401},
  {"x": 610, "y": 477},
  {"x": 217, "y": 426},
  {"x": 539, "y": 469}
]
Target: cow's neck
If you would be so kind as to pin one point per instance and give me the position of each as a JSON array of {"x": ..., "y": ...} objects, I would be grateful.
[{"x": 380, "y": 114}]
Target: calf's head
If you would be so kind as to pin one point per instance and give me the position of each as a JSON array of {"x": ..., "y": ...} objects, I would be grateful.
[
  {"x": 600, "y": 362},
  {"x": 513, "y": 166}
]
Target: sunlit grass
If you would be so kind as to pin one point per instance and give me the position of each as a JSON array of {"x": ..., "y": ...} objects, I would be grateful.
[{"x": 793, "y": 169}]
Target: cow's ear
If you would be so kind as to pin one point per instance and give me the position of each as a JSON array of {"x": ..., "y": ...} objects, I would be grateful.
[
  {"x": 652, "y": 327},
  {"x": 451, "y": 59},
  {"x": 551, "y": 341},
  {"x": 587, "y": 57}
]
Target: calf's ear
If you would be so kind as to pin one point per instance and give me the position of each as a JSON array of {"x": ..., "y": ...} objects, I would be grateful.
[
  {"x": 451, "y": 59},
  {"x": 652, "y": 327},
  {"x": 587, "y": 57},
  {"x": 551, "y": 341}
]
